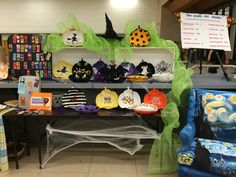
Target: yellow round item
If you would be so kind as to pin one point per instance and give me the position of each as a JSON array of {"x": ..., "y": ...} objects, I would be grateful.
[
  {"x": 62, "y": 69},
  {"x": 107, "y": 99},
  {"x": 140, "y": 37},
  {"x": 11, "y": 103}
]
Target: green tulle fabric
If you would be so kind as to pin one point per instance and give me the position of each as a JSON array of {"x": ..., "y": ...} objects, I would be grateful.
[{"x": 163, "y": 156}]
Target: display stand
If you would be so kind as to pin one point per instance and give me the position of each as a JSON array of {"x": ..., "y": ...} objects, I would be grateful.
[{"x": 222, "y": 67}]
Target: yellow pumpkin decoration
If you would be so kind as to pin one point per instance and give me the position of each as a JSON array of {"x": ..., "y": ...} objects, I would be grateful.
[
  {"x": 107, "y": 99},
  {"x": 62, "y": 69},
  {"x": 3, "y": 70},
  {"x": 140, "y": 37}
]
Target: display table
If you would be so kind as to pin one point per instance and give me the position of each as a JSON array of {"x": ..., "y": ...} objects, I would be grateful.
[{"x": 119, "y": 127}]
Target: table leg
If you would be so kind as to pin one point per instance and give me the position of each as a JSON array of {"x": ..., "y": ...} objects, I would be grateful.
[
  {"x": 15, "y": 144},
  {"x": 26, "y": 136},
  {"x": 39, "y": 144}
]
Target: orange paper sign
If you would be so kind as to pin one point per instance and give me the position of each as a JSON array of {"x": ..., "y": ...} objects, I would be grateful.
[{"x": 41, "y": 101}]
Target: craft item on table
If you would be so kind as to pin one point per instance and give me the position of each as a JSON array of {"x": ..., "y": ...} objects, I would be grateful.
[
  {"x": 73, "y": 98},
  {"x": 27, "y": 58},
  {"x": 81, "y": 72},
  {"x": 145, "y": 68},
  {"x": 140, "y": 37},
  {"x": 145, "y": 108},
  {"x": 163, "y": 77},
  {"x": 112, "y": 73},
  {"x": 107, "y": 99},
  {"x": 97, "y": 67},
  {"x": 87, "y": 109},
  {"x": 11, "y": 103},
  {"x": 41, "y": 101},
  {"x": 163, "y": 67},
  {"x": 57, "y": 100},
  {"x": 130, "y": 67},
  {"x": 73, "y": 38},
  {"x": 26, "y": 86},
  {"x": 128, "y": 99},
  {"x": 3, "y": 70},
  {"x": 156, "y": 98},
  {"x": 137, "y": 78},
  {"x": 62, "y": 70}
]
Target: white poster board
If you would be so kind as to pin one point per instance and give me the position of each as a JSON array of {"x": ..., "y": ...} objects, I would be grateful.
[{"x": 204, "y": 31}]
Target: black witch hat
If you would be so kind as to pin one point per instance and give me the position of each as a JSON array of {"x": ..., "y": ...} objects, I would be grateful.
[{"x": 110, "y": 33}]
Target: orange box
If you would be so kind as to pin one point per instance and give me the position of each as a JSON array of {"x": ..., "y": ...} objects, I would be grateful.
[{"x": 41, "y": 101}]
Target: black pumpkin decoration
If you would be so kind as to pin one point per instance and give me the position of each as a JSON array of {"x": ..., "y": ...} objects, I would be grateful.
[
  {"x": 81, "y": 72},
  {"x": 113, "y": 74},
  {"x": 146, "y": 69}
]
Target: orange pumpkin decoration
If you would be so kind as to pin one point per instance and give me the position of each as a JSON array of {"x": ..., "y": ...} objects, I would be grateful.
[
  {"x": 3, "y": 70},
  {"x": 140, "y": 37}
]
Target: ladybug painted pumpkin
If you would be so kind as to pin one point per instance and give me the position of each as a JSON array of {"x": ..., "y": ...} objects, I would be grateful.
[
  {"x": 146, "y": 69},
  {"x": 3, "y": 70},
  {"x": 140, "y": 37},
  {"x": 81, "y": 72}
]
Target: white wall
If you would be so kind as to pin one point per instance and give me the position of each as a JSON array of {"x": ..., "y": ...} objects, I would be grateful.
[{"x": 42, "y": 16}]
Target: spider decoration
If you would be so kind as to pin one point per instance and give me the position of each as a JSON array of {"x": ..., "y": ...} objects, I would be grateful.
[{"x": 163, "y": 67}]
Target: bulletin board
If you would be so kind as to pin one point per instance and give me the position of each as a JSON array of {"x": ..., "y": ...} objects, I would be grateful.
[{"x": 27, "y": 58}]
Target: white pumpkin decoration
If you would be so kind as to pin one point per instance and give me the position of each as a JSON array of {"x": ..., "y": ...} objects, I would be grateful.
[{"x": 73, "y": 38}]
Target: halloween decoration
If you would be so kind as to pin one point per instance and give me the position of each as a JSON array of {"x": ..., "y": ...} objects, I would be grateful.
[
  {"x": 145, "y": 68},
  {"x": 137, "y": 78},
  {"x": 57, "y": 100},
  {"x": 3, "y": 70},
  {"x": 128, "y": 99},
  {"x": 140, "y": 37},
  {"x": 145, "y": 108},
  {"x": 97, "y": 67},
  {"x": 81, "y": 72},
  {"x": 107, "y": 99},
  {"x": 62, "y": 69},
  {"x": 87, "y": 109},
  {"x": 110, "y": 33},
  {"x": 156, "y": 98},
  {"x": 113, "y": 74},
  {"x": 73, "y": 98},
  {"x": 130, "y": 67},
  {"x": 73, "y": 38},
  {"x": 163, "y": 67}
]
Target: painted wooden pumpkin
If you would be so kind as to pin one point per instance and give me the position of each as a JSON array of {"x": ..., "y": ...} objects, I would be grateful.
[
  {"x": 140, "y": 37},
  {"x": 81, "y": 72},
  {"x": 62, "y": 69},
  {"x": 107, "y": 99},
  {"x": 112, "y": 73},
  {"x": 73, "y": 38},
  {"x": 146, "y": 69},
  {"x": 3, "y": 70}
]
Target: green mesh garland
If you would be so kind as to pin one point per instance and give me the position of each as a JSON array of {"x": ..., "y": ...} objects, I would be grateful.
[
  {"x": 163, "y": 155},
  {"x": 110, "y": 49}
]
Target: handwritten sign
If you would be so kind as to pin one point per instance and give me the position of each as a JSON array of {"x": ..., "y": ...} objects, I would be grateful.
[{"x": 204, "y": 31}]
